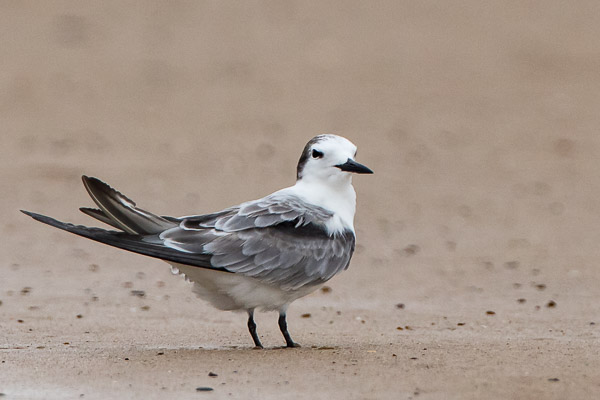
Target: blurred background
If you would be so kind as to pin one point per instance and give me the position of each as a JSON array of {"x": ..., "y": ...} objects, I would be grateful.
[{"x": 479, "y": 119}]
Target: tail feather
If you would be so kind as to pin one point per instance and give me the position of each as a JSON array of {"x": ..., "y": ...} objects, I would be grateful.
[
  {"x": 149, "y": 245},
  {"x": 99, "y": 215},
  {"x": 119, "y": 211}
]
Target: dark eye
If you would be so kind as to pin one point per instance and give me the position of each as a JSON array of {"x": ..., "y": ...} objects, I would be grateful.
[{"x": 317, "y": 154}]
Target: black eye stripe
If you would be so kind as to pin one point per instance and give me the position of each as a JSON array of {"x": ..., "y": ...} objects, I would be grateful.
[{"x": 317, "y": 154}]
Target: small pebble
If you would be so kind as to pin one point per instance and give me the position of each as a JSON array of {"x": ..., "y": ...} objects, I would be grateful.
[
  {"x": 400, "y": 306},
  {"x": 461, "y": 324},
  {"x": 144, "y": 308},
  {"x": 25, "y": 291},
  {"x": 326, "y": 289},
  {"x": 521, "y": 301},
  {"x": 553, "y": 379},
  {"x": 20, "y": 321},
  {"x": 79, "y": 316},
  {"x": 400, "y": 328},
  {"x": 204, "y": 389},
  {"x": 212, "y": 374},
  {"x": 551, "y": 304},
  {"x": 138, "y": 293},
  {"x": 307, "y": 315},
  {"x": 490, "y": 312},
  {"x": 540, "y": 286}
]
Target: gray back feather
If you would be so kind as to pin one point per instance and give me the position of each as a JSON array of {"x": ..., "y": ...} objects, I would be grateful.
[{"x": 277, "y": 240}]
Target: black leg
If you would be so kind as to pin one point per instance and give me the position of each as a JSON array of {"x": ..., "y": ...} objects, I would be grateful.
[
  {"x": 252, "y": 329},
  {"x": 283, "y": 326}
]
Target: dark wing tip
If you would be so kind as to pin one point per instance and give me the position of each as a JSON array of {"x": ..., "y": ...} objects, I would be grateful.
[
  {"x": 91, "y": 180},
  {"x": 33, "y": 215},
  {"x": 87, "y": 210},
  {"x": 92, "y": 212},
  {"x": 95, "y": 185},
  {"x": 42, "y": 218}
]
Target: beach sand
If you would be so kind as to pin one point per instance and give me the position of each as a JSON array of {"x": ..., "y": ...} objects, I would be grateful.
[{"x": 476, "y": 269}]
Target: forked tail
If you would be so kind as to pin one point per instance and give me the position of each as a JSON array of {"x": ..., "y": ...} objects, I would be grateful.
[{"x": 121, "y": 212}]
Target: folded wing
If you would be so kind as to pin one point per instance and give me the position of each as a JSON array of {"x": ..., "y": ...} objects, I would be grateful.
[{"x": 278, "y": 240}]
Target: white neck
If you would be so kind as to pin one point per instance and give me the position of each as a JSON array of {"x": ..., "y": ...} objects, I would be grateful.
[{"x": 337, "y": 196}]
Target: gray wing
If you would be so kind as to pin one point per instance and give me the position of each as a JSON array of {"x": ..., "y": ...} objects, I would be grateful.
[
  {"x": 265, "y": 212},
  {"x": 277, "y": 240}
]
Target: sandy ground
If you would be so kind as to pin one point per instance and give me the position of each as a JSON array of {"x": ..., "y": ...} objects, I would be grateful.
[{"x": 481, "y": 122}]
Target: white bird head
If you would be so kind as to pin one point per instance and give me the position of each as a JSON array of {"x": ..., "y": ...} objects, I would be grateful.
[{"x": 329, "y": 158}]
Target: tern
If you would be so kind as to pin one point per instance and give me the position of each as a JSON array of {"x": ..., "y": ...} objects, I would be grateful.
[{"x": 261, "y": 254}]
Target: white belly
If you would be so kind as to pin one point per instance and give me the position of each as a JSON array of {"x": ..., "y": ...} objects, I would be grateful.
[{"x": 228, "y": 291}]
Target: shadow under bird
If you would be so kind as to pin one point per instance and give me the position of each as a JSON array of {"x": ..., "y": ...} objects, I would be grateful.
[{"x": 261, "y": 254}]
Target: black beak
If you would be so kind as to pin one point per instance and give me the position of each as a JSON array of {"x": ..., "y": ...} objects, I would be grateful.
[{"x": 353, "y": 166}]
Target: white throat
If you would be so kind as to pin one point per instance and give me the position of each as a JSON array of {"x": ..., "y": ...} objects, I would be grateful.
[{"x": 337, "y": 196}]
